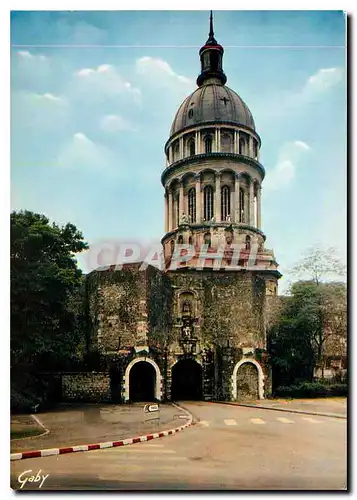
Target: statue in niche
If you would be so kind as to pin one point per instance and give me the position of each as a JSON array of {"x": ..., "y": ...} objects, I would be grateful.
[
  {"x": 186, "y": 308},
  {"x": 184, "y": 218}
]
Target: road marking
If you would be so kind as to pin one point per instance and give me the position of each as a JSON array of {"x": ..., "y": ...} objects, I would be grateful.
[
  {"x": 204, "y": 423},
  {"x": 285, "y": 420},
  {"x": 257, "y": 421},
  {"x": 311, "y": 420},
  {"x": 144, "y": 450},
  {"x": 230, "y": 421},
  {"x": 154, "y": 446}
]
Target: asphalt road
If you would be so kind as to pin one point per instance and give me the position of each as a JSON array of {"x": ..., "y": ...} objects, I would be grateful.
[{"x": 230, "y": 448}]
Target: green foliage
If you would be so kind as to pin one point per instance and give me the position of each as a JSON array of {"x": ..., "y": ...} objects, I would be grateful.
[
  {"x": 311, "y": 390},
  {"x": 46, "y": 294},
  {"x": 313, "y": 320}
]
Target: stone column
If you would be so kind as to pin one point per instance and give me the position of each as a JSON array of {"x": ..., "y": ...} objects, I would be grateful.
[
  {"x": 251, "y": 203},
  {"x": 259, "y": 213},
  {"x": 170, "y": 155},
  {"x": 170, "y": 209},
  {"x": 216, "y": 140},
  {"x": 236, "y": 217},
  {"x": 251, "y": 151},
  {"x": 198, "y": 142},
  {"x": 198, "y": 199},
  {"x": 166, "y": 212},
  {"x": 236, "y": 141},
  {"x": 217, "y": 201},
  {"x": 219, "y": 139},
  {"x": 181, "y": 147},
  {"x": 181, "y": 202}
]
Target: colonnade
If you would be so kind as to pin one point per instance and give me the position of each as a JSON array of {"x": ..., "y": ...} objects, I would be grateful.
[
  {"x": 178, "y": 149},
  {"x": 245, "y": 203}
]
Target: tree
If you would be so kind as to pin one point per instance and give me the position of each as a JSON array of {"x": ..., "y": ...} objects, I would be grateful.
[
  {"x": 290, "y": 347},
  {"x": 319, "y": 264},
  {"x": 46, "y": 285},
  {"x": 311, "y": 323}
]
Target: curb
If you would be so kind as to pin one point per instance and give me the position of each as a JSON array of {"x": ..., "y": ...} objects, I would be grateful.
[
  {"x": 99, "y": 446},
  {"x": 334, "y": 415},
  {"x": 40, "y": 424}
]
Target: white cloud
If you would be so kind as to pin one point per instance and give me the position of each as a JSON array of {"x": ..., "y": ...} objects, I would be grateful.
[
  {"x": 284, "y": 171},
  {"x": 47, "y": 97},
  {"x": 158, "y": 69},
  {"x": 106, "y": 79},
  {"x": 25, "y": 54},
  {"x": 302, "y": 145},
  {"x": 114, "y": 123},
  {"x": 324, "y": 79},
  {"x": 314, "y": 88},
  {"x": 82, "y": 152}
]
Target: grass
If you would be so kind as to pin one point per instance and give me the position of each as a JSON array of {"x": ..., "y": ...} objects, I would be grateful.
[{"x": 19, "y": 434}]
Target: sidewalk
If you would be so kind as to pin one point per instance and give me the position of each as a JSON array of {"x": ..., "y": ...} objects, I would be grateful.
[
  {"x": 330, "y": 407},
  {"x": 73, "y": 425}
]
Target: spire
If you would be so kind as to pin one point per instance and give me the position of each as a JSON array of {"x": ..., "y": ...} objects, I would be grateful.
[
  {"x": 211, "y": 55},
  {"x": 211, "y": 39},
  {"x": 211, "y": 32}
]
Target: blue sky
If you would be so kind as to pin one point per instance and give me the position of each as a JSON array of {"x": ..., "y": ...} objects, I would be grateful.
[{"x": 88, "y": 124}]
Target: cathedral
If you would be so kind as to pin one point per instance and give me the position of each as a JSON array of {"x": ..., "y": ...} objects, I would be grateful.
[{"x": 196, "y": 329}]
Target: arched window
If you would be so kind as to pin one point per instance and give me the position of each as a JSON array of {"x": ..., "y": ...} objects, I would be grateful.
[
  {"x": 180, "y": 239},
  {"x": 191, "y": 147},
  {"x": 208, "y": 144},
  {"x": 226, "y": 143},
  {"x": 242, "y": 146},
  {"x": 190, "y": 240},
  {"x": 241, "y": 205},
  {"x": 192, "y": 204},
  {"x": 172, "y": 246},
  {"x": 214, "y": 60},
  {"x": 207, "y": 239},
  {"x": 247, "y": 242},
  {"x": 208, "y": 202},
  {"x": 225, "y": 202}
]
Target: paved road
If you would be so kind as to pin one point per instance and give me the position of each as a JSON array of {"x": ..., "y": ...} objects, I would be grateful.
[{"x": 231, "y": 447}]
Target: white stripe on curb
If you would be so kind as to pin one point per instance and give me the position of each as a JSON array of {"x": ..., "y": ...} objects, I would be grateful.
[{"x": 108, "y": 444}]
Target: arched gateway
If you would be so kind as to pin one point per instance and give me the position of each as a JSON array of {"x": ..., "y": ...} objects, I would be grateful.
[
  {"x": 142, "y": 381},
  {"x": 248, "y": 380},
  {"x": 186, "y": 380}
]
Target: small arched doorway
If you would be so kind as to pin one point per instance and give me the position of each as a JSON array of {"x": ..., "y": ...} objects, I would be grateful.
[
  {"x": 186, "y": 380},
  {"x": 142, "y": 381},
  {"x": 247, "y": 382}
]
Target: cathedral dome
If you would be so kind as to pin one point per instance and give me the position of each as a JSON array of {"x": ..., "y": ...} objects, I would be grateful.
[{"x": 212, "y": 102}]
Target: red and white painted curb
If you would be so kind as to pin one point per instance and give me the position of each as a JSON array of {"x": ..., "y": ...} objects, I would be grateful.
[{"x": 99, "y": 446}]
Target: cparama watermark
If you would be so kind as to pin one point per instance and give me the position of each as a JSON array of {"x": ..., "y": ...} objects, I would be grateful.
[{"x": 114, "y": 254}]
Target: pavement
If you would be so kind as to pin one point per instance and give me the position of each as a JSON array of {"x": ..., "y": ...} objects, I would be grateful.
[
  {"x": 73, "y": 425},
  {"x": 329, "y": 407},
  {"x": 230, "y": 448}
]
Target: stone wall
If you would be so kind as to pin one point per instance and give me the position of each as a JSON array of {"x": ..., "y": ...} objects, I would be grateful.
[
  {"x": 89, "y": 387},
  {"x": 231, "y": 304}
]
